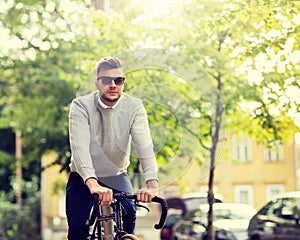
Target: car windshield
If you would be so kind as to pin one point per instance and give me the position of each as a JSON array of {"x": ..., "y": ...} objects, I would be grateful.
[
  {"x": 233, "y": 213},
  {"x": 227, "y": 211},
  {"x": 193, "y": 203}
]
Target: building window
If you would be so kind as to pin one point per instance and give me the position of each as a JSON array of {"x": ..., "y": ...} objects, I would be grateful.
[
  {"x": 244, "y": 194},
  {"x": 274, "y": 155},
  {"x": 273, "y": 190},
  {"x": 242, "y": 148}
]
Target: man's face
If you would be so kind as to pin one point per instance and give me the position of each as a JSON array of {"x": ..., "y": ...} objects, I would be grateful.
[{"x": 109, "y": 91}]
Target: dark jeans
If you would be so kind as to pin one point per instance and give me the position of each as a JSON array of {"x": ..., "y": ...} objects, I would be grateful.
[{"x": 79, "y": 202}]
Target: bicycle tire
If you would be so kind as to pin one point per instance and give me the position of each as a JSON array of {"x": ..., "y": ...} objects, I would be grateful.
[{"x": 129, "y": 237}]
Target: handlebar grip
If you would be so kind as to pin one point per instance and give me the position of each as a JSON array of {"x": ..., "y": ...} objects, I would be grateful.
[
  {"x": 164, "y": 211},
  {"x": 95, "y": 198}
]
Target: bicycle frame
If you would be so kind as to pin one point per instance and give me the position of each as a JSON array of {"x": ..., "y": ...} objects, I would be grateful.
[{"x": 111, "y": 218}]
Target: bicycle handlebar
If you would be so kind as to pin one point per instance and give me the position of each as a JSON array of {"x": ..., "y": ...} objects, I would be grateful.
[
  {"x": 161, "y": 201},
  {"x": 124, "y": 196},
  {"x": 164, "y": 211}
]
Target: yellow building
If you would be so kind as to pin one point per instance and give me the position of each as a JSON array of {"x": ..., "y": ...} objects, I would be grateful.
[
  {"x": 258, "y": 173},
  {"x": 53, "y": 219},
  {"x": 247, "y": 172}
]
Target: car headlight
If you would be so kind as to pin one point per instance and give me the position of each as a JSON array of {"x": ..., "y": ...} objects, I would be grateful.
[{"x": 222, "y": 234}]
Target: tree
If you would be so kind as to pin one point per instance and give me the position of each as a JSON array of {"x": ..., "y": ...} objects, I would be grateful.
[
  {"x": 222, "y": 40},
  {"x": 35, "y": 91},
  {"x": 271, "y": 71},
  {"x": 208, "y": 60}
]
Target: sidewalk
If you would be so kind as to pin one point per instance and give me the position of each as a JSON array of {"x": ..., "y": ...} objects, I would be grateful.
[{"x": 145, "y": 221}]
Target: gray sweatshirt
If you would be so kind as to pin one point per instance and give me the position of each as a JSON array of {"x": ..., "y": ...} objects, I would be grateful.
[{"x": 100, "y": 138}]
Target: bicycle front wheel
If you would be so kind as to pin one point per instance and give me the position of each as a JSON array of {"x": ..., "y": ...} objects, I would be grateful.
[{"x": 129, "y": 237}]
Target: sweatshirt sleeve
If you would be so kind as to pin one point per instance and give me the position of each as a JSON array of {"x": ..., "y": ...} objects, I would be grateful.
[
  {"x": 79, "y": 132},
  {"x": 143, "y": 144}
]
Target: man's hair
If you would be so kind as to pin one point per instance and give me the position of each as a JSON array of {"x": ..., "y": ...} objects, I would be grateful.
[{"x": 108, "y": 63}]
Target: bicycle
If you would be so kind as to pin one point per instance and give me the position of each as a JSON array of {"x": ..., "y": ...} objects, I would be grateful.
[{"x": 112, "y": 220}]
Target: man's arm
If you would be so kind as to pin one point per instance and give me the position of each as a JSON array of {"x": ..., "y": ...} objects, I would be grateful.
[
  {"x": 79, "y": 134},
  {"x": 143, "y": 144}
]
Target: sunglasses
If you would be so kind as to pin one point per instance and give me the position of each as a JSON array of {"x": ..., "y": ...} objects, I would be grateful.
[{"x": 108, "y": 80}]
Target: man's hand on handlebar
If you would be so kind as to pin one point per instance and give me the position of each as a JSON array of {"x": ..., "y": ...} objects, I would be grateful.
[
  {"x": 105, "y": 194},
  {"x": 146, "y": 195}
]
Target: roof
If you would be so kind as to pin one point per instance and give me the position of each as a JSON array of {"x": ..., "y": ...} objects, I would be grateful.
[
  {"x": 294, "y": 194},
  {"x": 200, "y": 195},
  {"x": 232, "y": 205}
]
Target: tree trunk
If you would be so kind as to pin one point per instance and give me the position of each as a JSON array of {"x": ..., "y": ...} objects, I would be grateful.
[
  {"x": 215, "y": 140},
  {"x": 210, "y": 231}
]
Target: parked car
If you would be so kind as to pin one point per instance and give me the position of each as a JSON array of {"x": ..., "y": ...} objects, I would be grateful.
[
  {"x": 230, "y": 222},
  {"x": 278, "y": 219},
  {"x": 179, "y": 206},
  {"x": 173, "y": 217},
  {"x": 191, "y": 201}
]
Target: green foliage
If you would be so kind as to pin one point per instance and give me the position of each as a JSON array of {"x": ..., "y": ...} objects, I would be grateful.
[
  {"x": 24, "y": 223},
  {"x": 187, "y": 94}
]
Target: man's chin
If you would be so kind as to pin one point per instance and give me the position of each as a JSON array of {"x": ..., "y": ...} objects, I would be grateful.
[{"x": 110, "y": 99}]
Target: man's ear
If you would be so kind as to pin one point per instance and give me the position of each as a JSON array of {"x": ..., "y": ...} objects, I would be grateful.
[{"x": 97, "y": 85}]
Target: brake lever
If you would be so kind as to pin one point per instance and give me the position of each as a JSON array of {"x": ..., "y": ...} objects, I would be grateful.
[{"x": 142, "y": 206}]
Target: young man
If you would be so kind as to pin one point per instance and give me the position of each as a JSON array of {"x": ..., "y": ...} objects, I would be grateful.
[{"x": 101, "y": 127}]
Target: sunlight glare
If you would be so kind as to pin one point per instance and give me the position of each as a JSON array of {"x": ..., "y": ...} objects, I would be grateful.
[
  {"x": 249, "y": 106},
  {"x": 163, "y": 4},
  {"x": 5, "y": 6},
  {"x": 68, "y": 6},
  {"x": 159, "y": 6}
]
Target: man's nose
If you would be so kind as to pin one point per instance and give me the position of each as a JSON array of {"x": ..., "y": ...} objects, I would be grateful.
[{"x": 113, "y": 84}]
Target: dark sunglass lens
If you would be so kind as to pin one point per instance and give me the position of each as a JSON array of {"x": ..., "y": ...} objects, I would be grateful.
[
  {"x": 119, "y": 80},
  {"x": 106, "y": 80}
]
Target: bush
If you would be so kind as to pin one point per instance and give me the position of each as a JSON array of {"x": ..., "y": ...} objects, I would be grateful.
[{"x": 21, "y": 223}]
